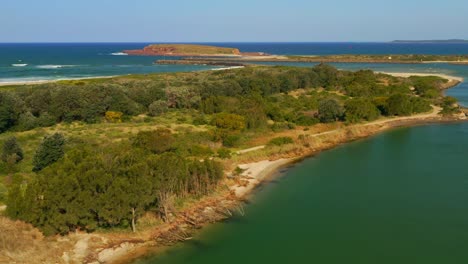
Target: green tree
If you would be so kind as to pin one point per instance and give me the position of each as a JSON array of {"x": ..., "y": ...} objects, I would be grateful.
[
  {"x": 12, "y": 151},
  {"x": 329, "y": 110},
  {"x": 168, "y": 172},
  {"x": 157, "y": 108},
  {"x": 399, "y": 104},
  {"x": 360, "y": 109},
  {"x": 50, "y": 151},
  {"x": 8, "y": 116}
]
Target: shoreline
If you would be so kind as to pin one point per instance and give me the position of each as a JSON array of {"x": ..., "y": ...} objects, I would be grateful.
[
  {"x": 423, "y": 74},
  {"x": 228, "y": 67},
  {"x": 36, "y": 82},
  {"x": 56, "y": 80}
]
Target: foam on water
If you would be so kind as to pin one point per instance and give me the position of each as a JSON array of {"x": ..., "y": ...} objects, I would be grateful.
[
  {"x": 119, "y": 54},
  {"x": 55, "y": 66}
]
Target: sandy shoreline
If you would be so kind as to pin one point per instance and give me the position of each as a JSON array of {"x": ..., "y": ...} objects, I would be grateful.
[
  {"x": 256, "y": 172},
  {"x": 396, "y": 74},
  {"x": 409, "y": 74},
  {"x": 56, "y": 80}
]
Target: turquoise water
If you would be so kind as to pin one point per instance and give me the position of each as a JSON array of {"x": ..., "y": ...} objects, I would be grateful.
[{"x": 399, "y": 197}]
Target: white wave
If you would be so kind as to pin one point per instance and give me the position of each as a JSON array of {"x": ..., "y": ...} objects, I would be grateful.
[
  {"x": 54, "y": 66},
  {"x": 19, "y": 65},
  {"x": 119, "y": 54}
]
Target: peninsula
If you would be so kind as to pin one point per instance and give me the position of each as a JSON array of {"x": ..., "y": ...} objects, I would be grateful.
[
  {"x": 400, "y": 59},
  {"x": 176, "y": 151},
  {"x": 448, "y": 41}
]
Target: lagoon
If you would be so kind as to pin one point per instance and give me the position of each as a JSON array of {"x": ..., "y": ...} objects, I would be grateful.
[{"x": 399, "y": 197}]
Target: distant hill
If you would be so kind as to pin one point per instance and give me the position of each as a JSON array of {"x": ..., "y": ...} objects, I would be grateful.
[
  {"x": 432, "y": 41},
  {"x": 183, "y": 50}
]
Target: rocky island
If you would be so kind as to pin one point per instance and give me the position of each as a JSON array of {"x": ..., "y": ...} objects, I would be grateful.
[{"x": 184, "y": 50}]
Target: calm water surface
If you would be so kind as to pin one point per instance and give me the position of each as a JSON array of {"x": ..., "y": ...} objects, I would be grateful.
[{"x": 399, "y": 197}]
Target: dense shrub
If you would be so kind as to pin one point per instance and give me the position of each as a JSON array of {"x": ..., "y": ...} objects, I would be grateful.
[
  {"x": 157, "y": 108},
  {"x": 279, "y": 141},
  {"x": 399, "y": 104},
  {"x": 50, "y": 151},
  {"x": 329, "y": 110},
  {"x": 92, "y": 189},
  {"x": 12, "y": 151},
  {"x": 360, "y": 109},
  {"x": 157, "y": 141}
]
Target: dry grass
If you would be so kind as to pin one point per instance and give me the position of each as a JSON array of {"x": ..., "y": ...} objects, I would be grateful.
[{"x": 22, "y": 243}]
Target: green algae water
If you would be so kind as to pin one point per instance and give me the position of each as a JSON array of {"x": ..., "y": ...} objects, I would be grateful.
[{"x": 398, "y": 197}]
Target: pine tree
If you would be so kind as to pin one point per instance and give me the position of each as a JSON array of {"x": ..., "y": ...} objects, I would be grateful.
[{"x": 49, "y": 151}]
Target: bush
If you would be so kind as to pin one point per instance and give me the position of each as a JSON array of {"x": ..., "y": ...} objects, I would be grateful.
[
  {"x": 360, "y": 109},
  {"x": 279, "y": 141},
  {"x": 50, "y": 151},
  {"x": 449, "y": 105},
  {"x": 329, "y": 110},
  {"x": 200, "y": 120},
  {"x": 231, "y": 140},
  {"x": 157, "y": 108},
  {"x": 11, "y": 151},
  {"x": 399, "y": 104},
  {"x": 224, "y": 153},
  {"x": 280, "y": 126},
  {"x": 228, "y": 121},
  {"x": 157, "y": 141},
  {"x": 114, "y": 117},
  {"x": 200, "y": 151},
  {"x": 420, "y": 105},
  {"x": 304, "y": 120}
]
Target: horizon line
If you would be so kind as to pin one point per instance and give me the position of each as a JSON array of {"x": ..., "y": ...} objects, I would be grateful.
[{"x": 252, "y": 42}]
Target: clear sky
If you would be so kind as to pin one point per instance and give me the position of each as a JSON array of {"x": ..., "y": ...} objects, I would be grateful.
[{"x": 225, "y": 21}]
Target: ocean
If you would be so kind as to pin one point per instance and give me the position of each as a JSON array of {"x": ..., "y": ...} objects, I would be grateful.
[{"x": 22, "y": 62}]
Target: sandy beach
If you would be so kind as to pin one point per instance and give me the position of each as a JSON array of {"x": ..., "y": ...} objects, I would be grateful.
[
  {"x": 256, "y": 172},
  {"x": 53, "y": 81},
  {"x": 409, "y": 74}
]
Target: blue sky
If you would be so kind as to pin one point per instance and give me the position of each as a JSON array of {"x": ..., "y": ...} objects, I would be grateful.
[{"x": 225, "y": 21}]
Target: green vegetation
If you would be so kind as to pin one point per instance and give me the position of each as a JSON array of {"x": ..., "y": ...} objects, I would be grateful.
[
  {"x": 189, "y": 49},
  {"x": 91, "y": 189},
  {"x": 49, "y": 152},
  {"x": 11, "y": 151},
  {"x": 279, "y": 141},
  {"x": 329, "y": 110},
  {"x": 146, "y": 143},
  {"x": 360, "y": 109}
]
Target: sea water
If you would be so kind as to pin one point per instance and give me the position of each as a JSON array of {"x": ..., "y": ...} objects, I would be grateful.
[{"x": 21, "y": 62}]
